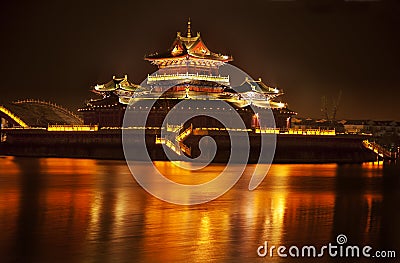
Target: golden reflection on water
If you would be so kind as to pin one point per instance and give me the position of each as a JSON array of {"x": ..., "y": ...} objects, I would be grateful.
[
  {"x": 9, "y": 198},
  {"x": 267, "y": 213},
  {"x": 186, "y": 176},
  {"x": 88, "y": 210}
]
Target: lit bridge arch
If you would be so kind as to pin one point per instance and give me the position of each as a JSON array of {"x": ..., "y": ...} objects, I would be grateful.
[
  {"x": 11, "y": 117},
  {"x": 36, "y": 113}
]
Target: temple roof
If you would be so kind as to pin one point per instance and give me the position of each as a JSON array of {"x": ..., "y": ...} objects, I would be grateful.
[
  {"x": 189, "y": 46},
  {"x": 116, "y": 83},
  {"x": 258, "y": 86},
  {"x": 110, "y": 101}
]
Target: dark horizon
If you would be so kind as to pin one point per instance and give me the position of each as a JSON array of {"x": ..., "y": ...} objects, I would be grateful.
[{"x": 57, "y": 51}]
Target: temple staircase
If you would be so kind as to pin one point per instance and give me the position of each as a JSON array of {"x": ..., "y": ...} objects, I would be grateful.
[
  {"x": 174, "y": 139},
  {"x": 381, "y": 151}
]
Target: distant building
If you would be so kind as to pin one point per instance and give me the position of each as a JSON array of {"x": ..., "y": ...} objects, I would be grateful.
[
  {"x": 380, "y": 128},
  {"x": 322, "y": 124},
  {"x": 357, "y": 126},
  {"x": 377, "y": 128}
]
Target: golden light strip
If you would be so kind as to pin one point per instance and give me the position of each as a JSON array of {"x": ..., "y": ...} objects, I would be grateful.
[
  {"x": 13, "y": 116},
  {"x": 187, "y": 76}
]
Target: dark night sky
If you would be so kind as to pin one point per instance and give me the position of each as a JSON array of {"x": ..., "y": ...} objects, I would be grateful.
[{"x": 56, "y": 50}]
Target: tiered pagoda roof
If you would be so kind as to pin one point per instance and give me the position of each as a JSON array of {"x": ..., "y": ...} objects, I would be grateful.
[{"x": 189, "y": 46}]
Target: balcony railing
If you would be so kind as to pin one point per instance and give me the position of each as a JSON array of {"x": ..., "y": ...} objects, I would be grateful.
[{"x": 187, "y": 76}]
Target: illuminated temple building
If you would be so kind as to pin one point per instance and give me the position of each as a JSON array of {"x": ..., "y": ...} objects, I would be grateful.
[
  {"x": 188, "y": 74},
  {"x": 188, "y": 70}
]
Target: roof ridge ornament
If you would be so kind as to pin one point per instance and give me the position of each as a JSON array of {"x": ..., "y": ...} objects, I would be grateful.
[
  {"x": 189, "y": 32},
  {"x": 187, "y": 44}
]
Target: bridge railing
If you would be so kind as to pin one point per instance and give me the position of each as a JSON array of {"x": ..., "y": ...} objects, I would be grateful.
[{"x": 72, "y": 128}]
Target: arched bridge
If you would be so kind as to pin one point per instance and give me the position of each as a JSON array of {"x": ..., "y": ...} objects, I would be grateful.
[{"x": 36, "y": 113}]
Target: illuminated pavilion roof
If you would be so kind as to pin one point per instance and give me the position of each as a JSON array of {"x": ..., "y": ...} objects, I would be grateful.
[
  {"x": 250, "y": 85},
  {"x": 36, "y": 113},
  {"x": 117, "y": 83},
  {"x": 189, "y": 46}
]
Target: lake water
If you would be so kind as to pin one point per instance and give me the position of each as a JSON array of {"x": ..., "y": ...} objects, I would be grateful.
[{"x": 73, "y": 210}]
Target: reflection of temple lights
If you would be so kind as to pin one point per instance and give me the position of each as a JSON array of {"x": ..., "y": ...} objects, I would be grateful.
[
  {"x": 371, "y": 223},
  {"x": 376, "y": 165},
  {"x": 275, "y": 216},
  {"x": 120, "y": 214},
  {"x": 278, "y": 201},
  {"x": 95, "y": 209},
  {"x": 204, "y": 230},
  {"x": 278, "y": 208}
]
